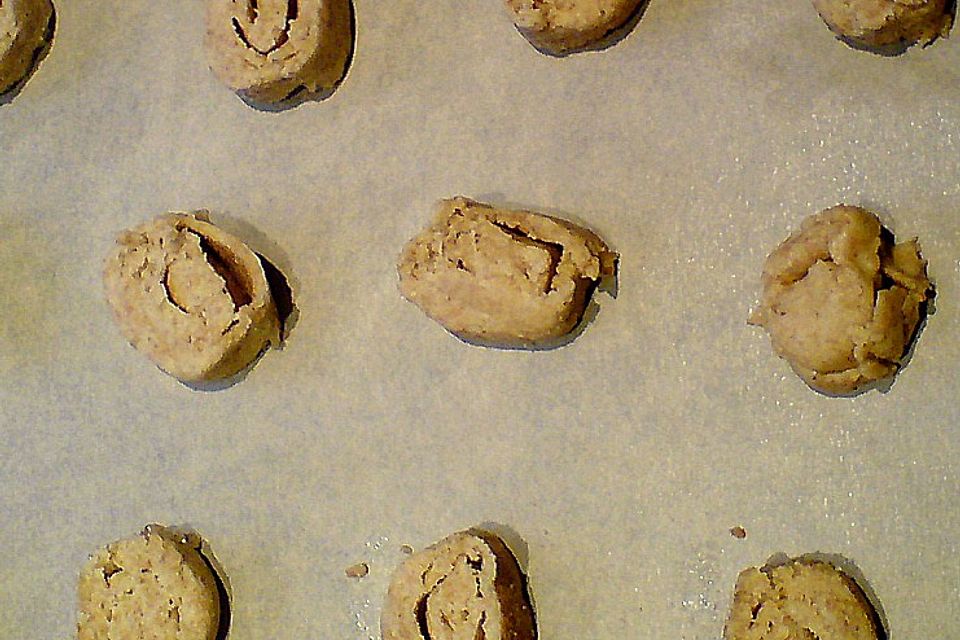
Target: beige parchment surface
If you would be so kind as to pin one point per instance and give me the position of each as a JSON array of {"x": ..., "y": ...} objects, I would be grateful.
[{"x": 693, "y": 147}]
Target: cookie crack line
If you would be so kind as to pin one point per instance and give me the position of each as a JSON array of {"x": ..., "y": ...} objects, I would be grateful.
[
  {"x": 165, "y": 283},
  {"x": 423, "y": 603},
  {"x": 481, "y": 634},
  {"x": 253, "y": 14},
  {"x": 554, "y": 249},
  {"x": 233, "y": 283},
  {"x": 421, "y": 611}
]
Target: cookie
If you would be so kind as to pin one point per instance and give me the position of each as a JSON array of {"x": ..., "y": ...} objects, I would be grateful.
[
  {"x": 842, "y": 301},
  {"x": 268, "y": 50},
  {"x": 560, "y": 27},
  {"x": 882, "y": 23},
  {"x": 192, "y": 297},
  {"x": 501, "y": 277},
  {"x": 24, "y": 26},
  {"x": 799, "y": 600},
  {"x": 466, "y": 586},
  {"x": 155, "y": 586}
]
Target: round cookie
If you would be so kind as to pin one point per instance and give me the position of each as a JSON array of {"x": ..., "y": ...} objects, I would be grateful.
[
  {"x": 23, "y": 32},
  {"x": 267, "y": 50},
  {"x": 882, "y": 23},
  {"x": 841, "y": 301},
  {"x": 799, "y": 600},
  {"x": 192, "y": 297},
  {"x": 152, "y": 587},
  {"x": 466, "y": 586},
  {"x": 559, "y": 27}
]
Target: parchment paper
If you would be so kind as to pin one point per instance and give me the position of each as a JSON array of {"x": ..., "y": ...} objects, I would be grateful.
[{"x": 693, "y": 147}]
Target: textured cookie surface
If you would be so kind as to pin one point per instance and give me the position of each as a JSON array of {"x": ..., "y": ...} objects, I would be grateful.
[
  {"x": 23, "y": 27},
  {"x": 265, "y": 50},
  {"x": 878, "y": 23},
  {"x": 467, "y": 586},
  {"x": 565, "y": 26},
  {"x": 842, "y": 301},
  {"x": 192, "y": 297},
  {"x": 152, "y": 587},
  {"x": 502, "y": 277},
  {"x": 800, "y": 600}
]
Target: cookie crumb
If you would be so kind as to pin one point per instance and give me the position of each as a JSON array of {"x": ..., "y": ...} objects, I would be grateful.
[
  {"x": 359, "y": 570},
  {"x": 738, "y": 532},
  {"x": 406, "y": 549}
]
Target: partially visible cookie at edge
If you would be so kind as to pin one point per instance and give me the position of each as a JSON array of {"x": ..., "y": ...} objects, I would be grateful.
[
  {"x": 464, "y": 587},
  {"x": 560, "y": 27},
  {"x": 884, "y": 23},
  {"x": 155, "y": 586},
  {"x": 501, "y": 277},
  {"x": 842, "y": 300},
  {"x": 24, "y": 26},
  {"x": 799, "y": 600},
  {"x": 192, "y": 297}
]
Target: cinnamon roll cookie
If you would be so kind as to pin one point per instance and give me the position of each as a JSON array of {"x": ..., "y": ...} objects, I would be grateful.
[
  {"x": 560, "y": 27},
  {"x": 798, "y": 600},
  {"x": 192, "y": 297},
  {"x": 466, "y": 586},
  {"x": 502, "y": 277},
  {"x": 155, "y": 586},
  {"x": 25, "y": 26},
  {"x": 268, "y": 50},
  {"x": 883, "y": 23},
  {"x": 842, "y": 301}
]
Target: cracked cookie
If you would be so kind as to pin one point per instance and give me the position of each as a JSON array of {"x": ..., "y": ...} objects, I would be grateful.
[
  {"x": 800, "y": 600},
  {"x": 25, "y": 27},
  {"x": 881, "y": 23},
  {"x": 466, "y": 586},
  {"x": 842, "y": 301},
  {"x": 269, "y": 50},
  {"x": 500, "y": 277},
  {"x": 560, "y": 27},
  {"x": 192, "y": 297},
  {"x": 155, "y": 586}
]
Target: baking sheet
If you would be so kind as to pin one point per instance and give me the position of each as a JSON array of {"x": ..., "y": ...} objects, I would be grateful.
[{"x": 693, "y": 147}]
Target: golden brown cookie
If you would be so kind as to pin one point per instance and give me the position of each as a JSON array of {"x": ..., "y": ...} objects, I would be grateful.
[
  {"x": 152, "y": 587},
  {"x": 842, "y": 301},
  {"x": 800, "y": 600},
  {"x": 565, "y": 26},
  {"x": 266, "y": 50},
  {"x": 881, "y": 23},
  {"x": 192, "y": 297},
  {"x": 466, "y": 586},
  {"x": 24, "y": 26},
  {"x": 503, "y": 277}
]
